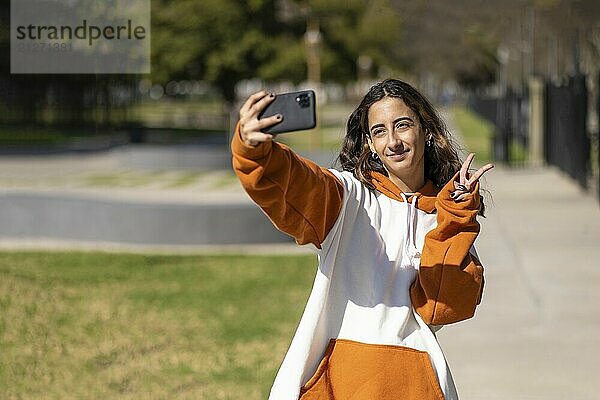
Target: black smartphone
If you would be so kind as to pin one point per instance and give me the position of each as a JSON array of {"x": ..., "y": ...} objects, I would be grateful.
[{"x": 298, "y": 110}]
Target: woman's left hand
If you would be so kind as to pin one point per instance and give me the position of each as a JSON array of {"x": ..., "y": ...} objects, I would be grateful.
[{"x": 467, "y": 183}]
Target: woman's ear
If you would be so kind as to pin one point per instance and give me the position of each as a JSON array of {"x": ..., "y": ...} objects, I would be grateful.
[
  {"x": 428, "y": 139},
  {"x": 428, "y": 136}
]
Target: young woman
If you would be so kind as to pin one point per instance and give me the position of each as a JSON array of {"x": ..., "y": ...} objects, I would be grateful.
[{"x": 395, "y": 232}]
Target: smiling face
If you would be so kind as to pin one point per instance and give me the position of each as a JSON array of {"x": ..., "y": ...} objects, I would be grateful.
[{"x": 396, "y": 136}]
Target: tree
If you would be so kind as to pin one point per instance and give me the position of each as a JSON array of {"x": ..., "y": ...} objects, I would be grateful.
[{"x": 224, "y": 41}]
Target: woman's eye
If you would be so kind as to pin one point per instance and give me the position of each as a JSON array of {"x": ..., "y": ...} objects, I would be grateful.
[
  {"x": 402, "y": 125},
  {"x": 377, "y": 133}
]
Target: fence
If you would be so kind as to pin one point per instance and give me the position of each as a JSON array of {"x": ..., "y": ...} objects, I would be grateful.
[
  {"x": 42, "y": 114},
  {"x": 69, "y": 100},
  {"x": 509, "y": 115},
  {"x": 567, "y": 145}
]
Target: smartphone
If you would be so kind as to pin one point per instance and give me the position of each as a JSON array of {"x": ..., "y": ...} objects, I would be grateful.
[{"x": 298, "y": 110}]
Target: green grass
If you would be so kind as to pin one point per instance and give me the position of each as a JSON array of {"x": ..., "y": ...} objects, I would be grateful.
[
  {"x": 476, "y": 133},
  {"x": 122, "y": 326},
  {"x": 148, "y": 107},
  {"x": 123, "y": 179},
  {"x": 27, "y": 135},
  {"x": 185, "y": 179},
  {"x": 518, "y": 153},
  {"x": 227, "y": 179}
]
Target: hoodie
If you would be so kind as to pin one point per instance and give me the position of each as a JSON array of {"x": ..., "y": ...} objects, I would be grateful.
[{"x": 392, "y": 268}]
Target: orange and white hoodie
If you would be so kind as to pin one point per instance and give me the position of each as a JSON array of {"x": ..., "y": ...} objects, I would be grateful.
[{"x": 393, "y": 267}]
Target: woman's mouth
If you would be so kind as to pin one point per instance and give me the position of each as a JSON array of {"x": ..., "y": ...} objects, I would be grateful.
[{"x": 398, "y": 156}]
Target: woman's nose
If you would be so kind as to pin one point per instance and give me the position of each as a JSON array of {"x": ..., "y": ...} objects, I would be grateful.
[{"x": 393, "y": 140}]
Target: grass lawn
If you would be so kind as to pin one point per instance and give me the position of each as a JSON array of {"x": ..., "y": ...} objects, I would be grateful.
[
  {"x": 476, "y": 132},
  {"x": 34, "y": 135},
  {"x": 89, "y": 325}
]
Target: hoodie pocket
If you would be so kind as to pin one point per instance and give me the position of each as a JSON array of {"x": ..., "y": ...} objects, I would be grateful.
[
  {"x": 318, "y": 386},
  {"x": 352, "y": 370}
]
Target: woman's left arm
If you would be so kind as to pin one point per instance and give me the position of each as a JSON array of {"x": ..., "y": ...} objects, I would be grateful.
[{"x": 449, "y": 284}]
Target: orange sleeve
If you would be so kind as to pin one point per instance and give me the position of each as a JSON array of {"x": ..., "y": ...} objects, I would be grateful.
[
  {"x": 449, "y": 284},
  {"x": 301, "y": 198}
]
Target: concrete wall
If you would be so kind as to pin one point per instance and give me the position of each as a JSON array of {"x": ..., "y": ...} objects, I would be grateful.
[
  {"x": 33, "y": 215},
  {"x": 194, "y": 157}
]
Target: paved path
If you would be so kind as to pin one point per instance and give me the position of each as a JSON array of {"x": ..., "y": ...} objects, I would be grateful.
[
  {"x": 537, "y": 333},
  {"x": 116, "y": 175},
  {"x": 93, "y": 201}
]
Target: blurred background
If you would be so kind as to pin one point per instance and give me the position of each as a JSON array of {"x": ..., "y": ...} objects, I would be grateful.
[
  {"x": 514, "y": 63},
  {"x": 133, "y": 265}
]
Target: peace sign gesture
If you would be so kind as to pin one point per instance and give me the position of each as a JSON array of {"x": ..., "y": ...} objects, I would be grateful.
[{"x": 467, "y": 183}]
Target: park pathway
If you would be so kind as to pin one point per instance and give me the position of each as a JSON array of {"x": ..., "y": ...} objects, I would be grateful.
[{"x": 536, "y": 334}]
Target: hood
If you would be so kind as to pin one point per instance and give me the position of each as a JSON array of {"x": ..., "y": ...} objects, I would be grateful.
[{"x": 426, "y": 195}]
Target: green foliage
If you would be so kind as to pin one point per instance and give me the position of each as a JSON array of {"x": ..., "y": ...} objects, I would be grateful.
[
  {"x": 482, "y": 63},
  {"x": 221, "y": 41},
  {"x": 224, "y": 41},
  {"x": 378, "y": 33},
  {"x": 285, "y": 59}
]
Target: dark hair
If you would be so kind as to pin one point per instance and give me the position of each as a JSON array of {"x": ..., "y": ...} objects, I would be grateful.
[{"x": 441, "y": 158}]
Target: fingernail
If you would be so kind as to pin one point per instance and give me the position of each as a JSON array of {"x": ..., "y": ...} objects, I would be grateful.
[
  {"x": 278, "y": 116},
  {"x": 272, "y": 95}
]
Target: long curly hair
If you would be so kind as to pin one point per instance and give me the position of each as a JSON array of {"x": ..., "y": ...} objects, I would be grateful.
[{"x": 441, "y": 158}]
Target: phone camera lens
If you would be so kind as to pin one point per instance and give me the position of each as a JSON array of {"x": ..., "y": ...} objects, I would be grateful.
[{"x": 303, "y": 100}]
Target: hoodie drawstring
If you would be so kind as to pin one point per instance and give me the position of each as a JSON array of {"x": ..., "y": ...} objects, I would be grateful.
[{"x": 411, "y": 224}]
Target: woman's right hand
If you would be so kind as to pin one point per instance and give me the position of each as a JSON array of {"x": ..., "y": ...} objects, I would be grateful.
[{"x": 250, "y": 125}]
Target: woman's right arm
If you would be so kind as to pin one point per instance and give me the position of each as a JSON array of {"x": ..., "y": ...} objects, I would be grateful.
[{"x": 301, "y": 198}]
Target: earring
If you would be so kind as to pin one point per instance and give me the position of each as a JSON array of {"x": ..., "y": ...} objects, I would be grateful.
[
  {"x": 429, "y": 142},
  {"x": 374, "y": 155}
]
